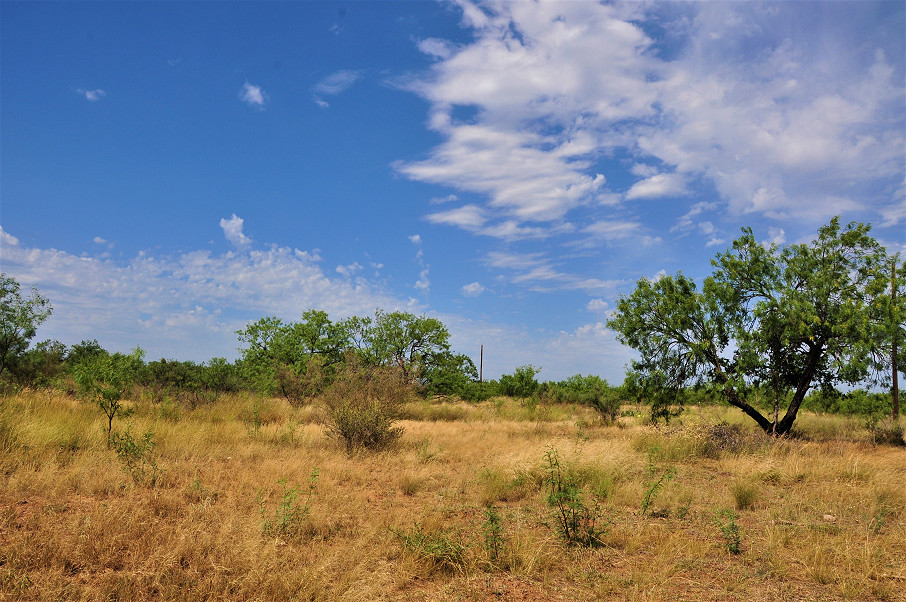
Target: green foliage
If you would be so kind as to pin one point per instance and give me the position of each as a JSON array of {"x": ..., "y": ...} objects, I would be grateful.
[
  {"x": 577, "y": 523},
  {"x": 137, "y": 457},
  {"x": 450, "y": 374},
  {"x": 492, "y": 529},
  {"x": 521, "y": 383},
  {"x": 41, "y": 366},
  {"x": 785, "y": 318},
  {"x": 725, "y": 520},
  {"x": 19, "y": 320},
  {"x": 292, "y": 509},
  {"x": 592, "y": 391},
  {"x": 105, "y": 379},
  {"x": 190, "y": 383},
  {"x": 300, "y": 360},
  {"x": 655, "y": 483},
  {"x": 438, "y": 549},
  {"x": 364, "y": 402}
]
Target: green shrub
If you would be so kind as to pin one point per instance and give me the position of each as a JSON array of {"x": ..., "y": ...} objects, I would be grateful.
[
  {"x": 492, "y": 529},
  {"x": 363, "y": 403},
  {"x": 521, "y": 383},
  {"x": 577, "y": 523},
  {"x": 725, "y": 519},
  {"x": 137, "y": 457},
  {"x": 292, "y": 509}
]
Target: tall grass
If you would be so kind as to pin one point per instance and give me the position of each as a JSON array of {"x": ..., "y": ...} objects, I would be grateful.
[{"x": 827, "y": 519}]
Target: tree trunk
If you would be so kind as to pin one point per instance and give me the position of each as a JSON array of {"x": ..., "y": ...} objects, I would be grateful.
[{"x": 895, "y": 387}]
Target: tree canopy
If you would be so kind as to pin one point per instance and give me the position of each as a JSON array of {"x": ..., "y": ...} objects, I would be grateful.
[
  {"x": 19, "y": 319},
  {"x": 788, "y": 319}
]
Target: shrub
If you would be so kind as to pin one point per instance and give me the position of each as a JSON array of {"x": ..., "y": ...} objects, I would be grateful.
[
  {"x": 364, "y": 402},
  {"x": 137, "y": 457},
  {"x": 291, "y": 511},
  {"x": 521, "y": 383},
  {"x": 577, "y": 523},
  {"x": 725, "y": 519}
]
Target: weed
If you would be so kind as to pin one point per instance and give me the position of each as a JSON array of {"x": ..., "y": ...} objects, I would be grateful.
[
  {"x": 137, "y": 457},
  {"x": 493, "y": 533},
  {"x": 294, "y": 507},
  {"x": 654, "y": 484},
  {"x": 199, "y": 494},
  {"x": 725, "y": 519},
  {"x": 577, "y": 523},
  {"x": 253, "y": 419},
  {"x": 438, "y": 549}
]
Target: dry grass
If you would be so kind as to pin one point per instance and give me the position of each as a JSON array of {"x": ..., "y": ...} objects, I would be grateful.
[{"x": 821, "y": 516}]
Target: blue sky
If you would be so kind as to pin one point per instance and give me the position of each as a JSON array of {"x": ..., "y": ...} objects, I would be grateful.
[{"x": 170, "y": 171}]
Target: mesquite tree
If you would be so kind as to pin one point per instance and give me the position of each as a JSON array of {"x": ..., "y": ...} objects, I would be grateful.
[{"x": 786, "y": 319}]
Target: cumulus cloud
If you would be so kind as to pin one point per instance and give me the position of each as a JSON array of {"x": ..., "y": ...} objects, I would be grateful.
[
  {"x": 253, "y": 96},
  {"x": 776, "y": 121},
  {"x": 190, "y": 304},
  {"x": 473, "y": 289},
  {"x": 597, "y": 305},
  {"x": 232, "y": 230},
  {"x": 92, "y": 95}
]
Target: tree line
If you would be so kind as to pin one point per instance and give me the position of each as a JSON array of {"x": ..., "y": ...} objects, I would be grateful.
[{"x": 772, "y": 330}]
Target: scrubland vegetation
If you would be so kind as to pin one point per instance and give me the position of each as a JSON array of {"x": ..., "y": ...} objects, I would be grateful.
[
  {"x": 364, "y": 459},
  {"x": 251, "y": 498}
]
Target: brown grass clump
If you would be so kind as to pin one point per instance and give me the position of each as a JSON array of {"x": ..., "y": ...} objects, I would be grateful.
[{"x": 272, "y": 508}]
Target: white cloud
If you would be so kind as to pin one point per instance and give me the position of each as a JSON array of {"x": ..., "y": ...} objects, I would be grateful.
[
  {"x": 658, "y": 186},
  {"x": 7, "y": 239},
  {"x": 92, "y": 95},
  {"x": 333, "y": 84},
  {"x": 597, "y": 305},
  {"x": 189, "y": 304},
  {"x": 778, "y": 121},
  {"x": 99, "y": 241},
  {"x": 415, "y": 239},
  {"x": 473, "y": 289},
  {"x": 776, "y": 236},
  {"x": 613, "y": 229},
  {"x": 467, "y": 217},
  {"x": 437, "y": 48},
  {"x": 232, "y": 230},
  {"x": 253, "y": 96}
]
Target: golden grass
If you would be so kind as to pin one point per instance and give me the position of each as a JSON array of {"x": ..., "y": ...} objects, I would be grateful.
[{"x": 822, "y": 516}]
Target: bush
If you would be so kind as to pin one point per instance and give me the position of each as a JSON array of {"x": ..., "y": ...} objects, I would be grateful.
[
  {"x": 592, "y": 391},
  {"x": 364, "y": 402},
  {"x": 577, "y": 523},
  {"x": 521, "y": 383},
  {"x": 137, "y": 457}
]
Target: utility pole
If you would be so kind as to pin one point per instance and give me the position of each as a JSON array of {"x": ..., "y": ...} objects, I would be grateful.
[{"x": 481, "y": 366}]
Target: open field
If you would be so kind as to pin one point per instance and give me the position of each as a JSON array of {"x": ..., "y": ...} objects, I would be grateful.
[{"x": 214, "y": 511}]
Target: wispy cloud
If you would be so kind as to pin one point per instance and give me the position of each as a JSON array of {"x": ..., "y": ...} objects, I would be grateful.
[
  {"x": 253, "y": 96},
  {"x": 91, "y": 95},
  {"x": 423, "y": 284},
  {"x": 335, "y": 83}
]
